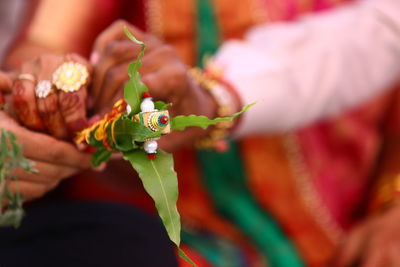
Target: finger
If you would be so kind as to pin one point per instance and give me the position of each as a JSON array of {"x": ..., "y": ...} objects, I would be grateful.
[
  {"x": 158, "y": 58},
  {"x": 51, "y": 116},
  {"x": 111, "y": 72},
  {"x": 73, "y": 110},
  {"x": 351, "y": 250},
  {"x": 108, "y": 106},
  {"x": 168, "y": 83},
  {"x": 41, "y": 147},
  {"x": 114, "y": 32},
  {"x": 30, "y": 190},
  {"x": 5, "y": 82},
  {"x": 73, "y": 104},
  {"x": 47, "y": 173},
  {"x": 116, "y": 53},
  {"x": 48, "y": 106},
  {"x": 112, "y": 85},
  {"x": 24, "y": 99}
]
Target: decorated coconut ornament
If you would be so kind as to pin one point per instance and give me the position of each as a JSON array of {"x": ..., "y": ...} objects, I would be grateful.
[{"x": 153, "y": 119}]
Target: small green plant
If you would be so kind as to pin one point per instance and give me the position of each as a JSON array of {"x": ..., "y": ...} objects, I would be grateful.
[{"x": 11, "y": 158}]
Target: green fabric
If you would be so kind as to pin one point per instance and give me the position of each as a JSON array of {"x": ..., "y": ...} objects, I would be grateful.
[
  {"x": 217, "y": 251},
  {"x": 207, "y": 31},
  {"x": 224, "y": 174},
  {"x": 224, "y": 177}
]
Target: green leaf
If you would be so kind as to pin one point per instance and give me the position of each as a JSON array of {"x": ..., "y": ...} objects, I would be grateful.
[
  {"x": 133, "y": 91},
  {"x": 102, "y": 155},
  {"x": 134, "y": 66},
  {"x": 186, "y": 258},
  {"x": 127, "y": 131},
  {"x": 134, "y": 88},
  {"x": 181, "y": 122},
  {"x": 160, "y": 105},
  {"x": 12, "y": 217},
  {"x": 11, "y": 157},
  {"x": 160, "y": 181},
  {"x": 123, "y": 134},
  {"x": 27, "y": 165}
]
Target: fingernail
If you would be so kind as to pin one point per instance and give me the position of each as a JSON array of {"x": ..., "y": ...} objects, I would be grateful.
[
  {"x": 94, "y": 58},
  {"x": 101, "y": 167}
]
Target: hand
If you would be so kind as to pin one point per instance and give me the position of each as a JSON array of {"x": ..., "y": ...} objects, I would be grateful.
[
  {"x": 375, "y": 243},
  {"x": 55, "y": 160},
  {"x": 162, "y": 71},
  {"x": 60, "y": 114}
]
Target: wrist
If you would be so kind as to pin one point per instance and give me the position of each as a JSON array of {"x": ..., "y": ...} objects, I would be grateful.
[{"x": 224, "y": 103}]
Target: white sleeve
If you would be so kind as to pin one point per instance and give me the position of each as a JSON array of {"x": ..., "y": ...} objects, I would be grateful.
[{"x": 300, "y": 72}]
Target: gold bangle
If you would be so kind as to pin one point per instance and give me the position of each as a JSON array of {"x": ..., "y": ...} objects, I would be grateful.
[
  {"x": 226, "y": 107},
  {"x": 388, "y": 192}
]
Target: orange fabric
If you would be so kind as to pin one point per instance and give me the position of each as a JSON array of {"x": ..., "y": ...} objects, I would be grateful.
[
  {"x": 271, "y": 179},
  {"x": 176, "y": 21}
]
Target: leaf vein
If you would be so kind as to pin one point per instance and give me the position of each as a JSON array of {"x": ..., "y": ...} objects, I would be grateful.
[{"x": 165, "y": 196}]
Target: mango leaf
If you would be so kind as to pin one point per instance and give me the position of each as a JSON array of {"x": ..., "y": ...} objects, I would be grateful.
[
  {"x": 127, "y": 131},
  {"x": 123, "y": 137},
  {"x": 102, "y": 155},
  {"x": 160, "y": 181},
  {"x": 133, "y": 91},
  {"x": 134, "y": 88},
  {"x": 160, "y": 105},
  {"x": 181, "y": 122},
  {"x": 134, "y": 66}
]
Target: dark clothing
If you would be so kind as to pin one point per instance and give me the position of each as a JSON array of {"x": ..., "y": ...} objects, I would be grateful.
[{"x": 86, "y": 234}]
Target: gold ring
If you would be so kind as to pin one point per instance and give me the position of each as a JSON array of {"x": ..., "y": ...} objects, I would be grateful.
[
  {"x": 27, "y": 76},
  {"x": 70, "y": 76}
]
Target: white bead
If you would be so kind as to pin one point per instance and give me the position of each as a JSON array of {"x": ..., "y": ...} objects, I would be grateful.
[
  {"x": 150, "y": 147},
  {"x": 147, "y": 105},
  {"x": 128, "y": 109}
]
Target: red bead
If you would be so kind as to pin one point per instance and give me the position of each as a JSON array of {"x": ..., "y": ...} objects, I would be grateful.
[
  {"x": 151, "y": 156},
  {"x": 146, "y": 95},
  {"x": 164, "y": 120}
]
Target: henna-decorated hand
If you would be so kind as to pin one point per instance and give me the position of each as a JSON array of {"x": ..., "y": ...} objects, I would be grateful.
[
  {"x": 60, "y": 114},
  {"x": 55, "y": 160}
]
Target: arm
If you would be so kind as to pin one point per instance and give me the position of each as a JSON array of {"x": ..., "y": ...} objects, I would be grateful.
[{"x": 308, "y": 70}]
